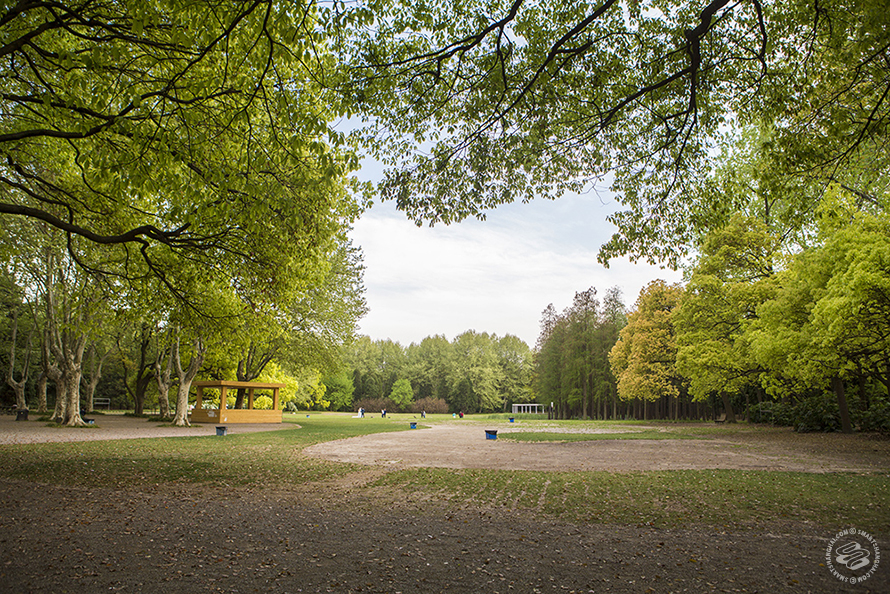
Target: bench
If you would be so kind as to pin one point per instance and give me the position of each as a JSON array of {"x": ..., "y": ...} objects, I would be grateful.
[
  {"x": 106, "y": 402},
  {"x": 720, "y": 419}
]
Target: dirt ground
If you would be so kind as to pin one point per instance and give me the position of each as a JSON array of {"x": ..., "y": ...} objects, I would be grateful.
[
  {"x": 338, "y": 538},
  {"x": 463, "y": 445}
]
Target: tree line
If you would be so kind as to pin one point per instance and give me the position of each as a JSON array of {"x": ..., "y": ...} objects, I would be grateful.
[{"x": 475, "y": 372}]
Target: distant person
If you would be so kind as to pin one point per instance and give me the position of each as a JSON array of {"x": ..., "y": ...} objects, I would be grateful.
[
  {"x": 361, "y": 413},
  {"x": 461, "y": 414},
  {"x": 383, "y": 413},
  {"x": 423, "y": 414}
]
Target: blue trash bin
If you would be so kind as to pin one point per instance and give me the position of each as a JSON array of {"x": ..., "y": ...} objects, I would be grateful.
[
  {"x": 414, "y": 425},
  {"x": 491, "y": 434},
  {"x": 220, "y": 430}
]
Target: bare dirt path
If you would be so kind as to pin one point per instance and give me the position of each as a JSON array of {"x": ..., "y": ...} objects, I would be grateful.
[
  {"x": 114, "y": 427},
  {"x": 463, "y": 445}
]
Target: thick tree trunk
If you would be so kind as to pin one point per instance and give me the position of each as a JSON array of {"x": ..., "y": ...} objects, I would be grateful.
[
  {"x": 164, "y": 380},
  {"x": 71, "y": 416},
  {"x": 727, "y": 408},
  {"x": 18, "y": 386},
  {"x": 180, "y": 418},
  {"x": 94, "y": 377},
  {"x": 41, "y": 392},
  {"x": 837, "y": 384}
]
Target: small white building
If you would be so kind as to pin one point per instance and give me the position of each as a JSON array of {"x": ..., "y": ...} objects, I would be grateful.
[{"x": 535, "y": 409}]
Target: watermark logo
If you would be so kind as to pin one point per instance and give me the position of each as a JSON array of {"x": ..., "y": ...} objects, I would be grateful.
[{"x": 852, "y": 555}]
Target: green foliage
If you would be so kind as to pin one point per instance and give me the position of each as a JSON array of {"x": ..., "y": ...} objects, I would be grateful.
[
  {"x": 776, "y": 413},
  {"x": 572, "y": 359},
  {"x": 158, "y": 132},
  {"x": 474, "y": 372},
  {"x": 644, "y": 358},
  {"x": 402, "y": 395},
  {"x": 339, "y": 390},
  {"x": 875, "y": 418},
  {"x": 719, "y": 304},
  {"x": 817, "y": 413},
  {"x": 513, "y": 101}
]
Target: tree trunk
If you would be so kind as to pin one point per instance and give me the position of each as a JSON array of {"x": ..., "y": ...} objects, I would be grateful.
[
  {"x": 19, "y": 386},
  {"x": 180, "y": 419},
  {"x": 95, "y": 376},
  {"x": 727, "y": 407},
  {"x": 837, "y": 384},
  {"x": 163, "y": 377},
  {"x": 41, "y": 392}
]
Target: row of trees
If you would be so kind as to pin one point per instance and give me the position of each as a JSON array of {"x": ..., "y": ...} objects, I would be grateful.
[
  {"x": 81, "y": 333},
  {"x": 174, "y": 199},
  {"x": 476, "y": 372}
]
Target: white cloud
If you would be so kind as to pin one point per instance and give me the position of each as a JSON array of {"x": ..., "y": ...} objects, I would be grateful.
[{"x": 494, "y": 276}]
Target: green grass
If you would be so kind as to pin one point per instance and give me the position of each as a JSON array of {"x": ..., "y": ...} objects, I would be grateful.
[
  {"x": 266, "y": 458},
  {"x": 664, "y": 499}
]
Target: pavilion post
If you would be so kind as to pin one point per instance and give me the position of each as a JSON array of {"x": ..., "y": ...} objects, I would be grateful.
[
  {"x": 222, "y": 400},
  {"x": 274, "y": 398},
  {"x": 199, "y": 398},
  {"x": 250, "y": 398}
]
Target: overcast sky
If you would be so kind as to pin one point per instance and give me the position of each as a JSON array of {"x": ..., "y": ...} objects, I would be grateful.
[{"x": 494, "y": 276}]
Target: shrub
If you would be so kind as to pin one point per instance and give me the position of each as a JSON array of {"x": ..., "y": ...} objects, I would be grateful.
[
  {"x": 775, "y": 413},
  {"x": 372, "y": 405},
  {"x": 430, "y": 405},
  {"x": 876, "y": 418},
  {"x": 817, "y": 413}
]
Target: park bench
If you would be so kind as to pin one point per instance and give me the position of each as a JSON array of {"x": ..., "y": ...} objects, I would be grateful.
[
  {"x": 721, "y": 418},
  {"x": 106, "y": 402}
]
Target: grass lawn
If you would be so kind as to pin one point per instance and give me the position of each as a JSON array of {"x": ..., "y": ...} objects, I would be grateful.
[{"x": 662, "y": 498}]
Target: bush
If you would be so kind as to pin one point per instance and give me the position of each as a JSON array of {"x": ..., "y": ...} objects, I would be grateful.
[
  {"x": 876, "y": 418},
  {"x": 430, "y": 405},
  {"x": 775, "y": 413},
  {"x": 817, "y": 413},
  {"x": 372, "y": 405}
]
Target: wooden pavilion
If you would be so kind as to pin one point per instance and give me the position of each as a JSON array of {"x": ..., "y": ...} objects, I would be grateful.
[{"x": 236, "y": 415}]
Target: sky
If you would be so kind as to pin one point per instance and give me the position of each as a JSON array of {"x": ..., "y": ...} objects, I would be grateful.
[{"x": 494, "y": 276}]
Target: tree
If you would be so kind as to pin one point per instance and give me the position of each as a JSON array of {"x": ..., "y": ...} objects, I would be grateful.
[
  {"x": 644, "y": 360},
  {"x": 18, "y": 386},
  {"x": 339, "y": 390},
  {"x": 515, "y": 99},
  {"x": 733, "y": 277},
  {"x": 828, "y": 318},
  {"x": 175, "y": 135},
  {"x": 572, "y": 363},
  {"x": 402, "y": 395},
  {"x": 475, "y": 374}
]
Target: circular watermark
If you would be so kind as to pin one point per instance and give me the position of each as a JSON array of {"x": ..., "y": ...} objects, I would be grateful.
[{"x": 852, "y": 556}]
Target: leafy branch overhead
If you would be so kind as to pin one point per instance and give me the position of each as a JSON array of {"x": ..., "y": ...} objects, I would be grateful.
[
  {"x": 477, "y": 104},
  {"x": 174, "y": 134}
]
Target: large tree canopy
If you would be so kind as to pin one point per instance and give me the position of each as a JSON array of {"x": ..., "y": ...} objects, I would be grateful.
[
  {"x": 478, "y": 103},
  {"x": 174, "y": 132}
]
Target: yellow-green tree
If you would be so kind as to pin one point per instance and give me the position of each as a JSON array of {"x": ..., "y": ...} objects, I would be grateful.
[
  {"x": 732, "y": 278},
  {"x": 644, "y": 360}
]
